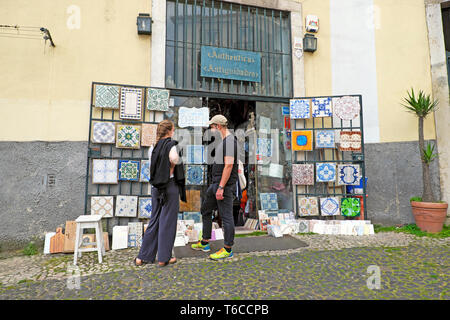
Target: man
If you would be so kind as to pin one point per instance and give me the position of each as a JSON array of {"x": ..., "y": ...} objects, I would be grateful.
[{"x": 221, "y": 192}]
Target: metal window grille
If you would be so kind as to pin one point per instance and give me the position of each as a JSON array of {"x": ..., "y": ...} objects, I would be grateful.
[{"x": 192, "y": 24}]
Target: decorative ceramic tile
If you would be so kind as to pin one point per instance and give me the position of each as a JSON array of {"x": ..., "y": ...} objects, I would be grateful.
[
  {"x": 351, "y": 207},
  {"x": 196, "y": 216},
  {"x": 325, "y": 139},
  {"x": 128, "y": 136},
  {"x": 120, "y": 237},
  {"x": 348, "y": 174},
  {"x": 104, "y": 171},
  {"x": 264, "y": 124},
  {"x": 129, "y": 170},
  {"x": 302, "y": 140},
  {"x": 193, "y": 117},
  {"x": 350, "y": 141},
  {"x": 329, "y": 206},
  {"x": 106, "y": 96},
  {"x": 321, "y": 107},
  {"x": 325, "y": 172},
  {"x": 195, "y": 154},
  {"x": 103, "y": 205},
  {"x": 157, "y": 99},
  {"x": 145, "y": 207},
  {"x": 195, "y": 174},
  {"x": 269, "y": 201},
  {"x": 144, "y": 175},
  {"x": 135, "y": 234},
  {"x": 303, "y": 174},
  {"x": 346, "y": 108},
  {"x": 126, "y": 206},
  {"x": 303, "y": 226},
  {"x": 148, "y": 134},
  {"x": 264, "y": 147},
  {"x": 103, "y": 132},
  {"x": 300, "y": 108},
  {"x": 131, "y": 103},
  {"x": 308, "y": 206}
]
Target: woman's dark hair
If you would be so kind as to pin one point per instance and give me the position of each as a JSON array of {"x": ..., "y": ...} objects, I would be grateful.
[{"x": 164, "y": 127}]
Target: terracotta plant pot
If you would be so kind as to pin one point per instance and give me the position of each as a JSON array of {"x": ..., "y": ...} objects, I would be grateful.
[{"x": 429, "y": 216}]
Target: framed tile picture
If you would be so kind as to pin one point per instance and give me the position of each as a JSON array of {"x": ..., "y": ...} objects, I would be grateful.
[
  {"x": 103, "y": 205},
  {"x": 105, "y": 171},
  {"x": 300, "y": 108},
  {"x": 303, "y": 174},
  {"x": 302, "y": 140},
  {"x": 329, "y": 206},
  {"x": 106, "y": 96},
  {"x": 157, "y": 99},
  {"x": 129, "y": 170},
  {"x": 131, "y": 101},
  {"x": 128, "y": 136},
  {"x": 346, "y": 108},
  {"x": 145, "y": 207},
  {"x": 325, "y": 139},
  {"x": 321, "y": 107},
  {"x": 126, "y": 206},
  {"x": 148, "y": 134},
  {"x": 103, "y": 132},
  {"x": 144, "y": 175},
  {"x": 325, "y": 172}
]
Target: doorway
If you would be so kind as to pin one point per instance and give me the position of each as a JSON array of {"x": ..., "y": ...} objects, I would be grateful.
[{"x": 266, "y": 171}]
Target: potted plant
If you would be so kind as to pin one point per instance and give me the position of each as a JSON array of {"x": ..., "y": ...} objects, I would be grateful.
[{"x": 429, "y": 213}]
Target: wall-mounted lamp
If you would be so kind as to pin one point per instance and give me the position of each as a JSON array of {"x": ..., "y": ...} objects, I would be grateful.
[
  {"x": 144, "y": 23},
  {"x": 309, "y": 43}
]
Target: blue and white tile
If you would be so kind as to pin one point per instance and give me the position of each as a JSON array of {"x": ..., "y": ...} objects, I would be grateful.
[
  {"x": 144, "y": 176},
  {"x": 196, "y": 216},
  {"x": 300, "y": 108},
  {"x": 329, "y": 206},
  {"x": 145, "y": 207},
  {"x": 135, "y": 230},
  {"x": 195, "y": 154},
  {"x": 325, "y": 139},
  {"x": 126, "y": 206},
  {"x": 348, "y": 174},
  {"x": 269, "y": 201},
  {"x": 195, "y": 174},
  {"x": 103, "y": 132},
  {"x": 104, "y": 171},
  {"x": 321, "y": 107},
  {"x": 325, "y": 172},
  {"x": 264, "y": 147}
]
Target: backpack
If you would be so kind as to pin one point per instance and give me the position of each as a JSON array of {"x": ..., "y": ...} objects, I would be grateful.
[{"x": 241, "y": 175}]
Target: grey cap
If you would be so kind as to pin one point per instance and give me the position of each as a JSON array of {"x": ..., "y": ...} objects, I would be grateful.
[{"x": 218, "y": 119}]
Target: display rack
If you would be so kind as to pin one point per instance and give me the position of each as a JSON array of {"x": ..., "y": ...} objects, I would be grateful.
[
  {"x": 330, "y": 189},
  {"x": 110, "y": 151}
]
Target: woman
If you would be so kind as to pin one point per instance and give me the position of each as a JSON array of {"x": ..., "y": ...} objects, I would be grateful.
[{"x": 168, "y": 185}]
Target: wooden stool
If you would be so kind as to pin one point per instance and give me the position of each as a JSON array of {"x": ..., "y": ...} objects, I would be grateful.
[{"x": 86, "y": 222}]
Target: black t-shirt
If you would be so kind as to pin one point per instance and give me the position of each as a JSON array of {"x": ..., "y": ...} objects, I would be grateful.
[{"x": 227, "y": 147}]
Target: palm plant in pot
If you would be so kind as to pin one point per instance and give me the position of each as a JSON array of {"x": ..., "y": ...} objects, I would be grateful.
[{"x": 429, "y": 213}]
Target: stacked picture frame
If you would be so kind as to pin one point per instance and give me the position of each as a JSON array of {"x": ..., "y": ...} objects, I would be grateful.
[{"x": 328, "y": 168}]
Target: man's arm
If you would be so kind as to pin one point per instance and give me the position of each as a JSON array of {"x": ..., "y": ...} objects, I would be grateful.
[{"x": 229, "y": 161}]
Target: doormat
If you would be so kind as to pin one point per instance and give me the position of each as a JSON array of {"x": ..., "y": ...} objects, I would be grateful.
[{"x": 244, "y": 245}]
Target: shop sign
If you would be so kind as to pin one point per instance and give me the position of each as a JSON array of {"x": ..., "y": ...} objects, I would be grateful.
[{"x": 230, "y": 64}]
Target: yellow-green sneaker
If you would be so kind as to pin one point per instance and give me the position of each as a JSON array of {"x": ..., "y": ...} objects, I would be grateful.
[
  {"x": 200, "y": 246},
  {"x": 221, "y": 254}
]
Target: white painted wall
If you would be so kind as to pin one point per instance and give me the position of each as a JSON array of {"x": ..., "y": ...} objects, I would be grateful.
[{"x": 353, "y": 58}]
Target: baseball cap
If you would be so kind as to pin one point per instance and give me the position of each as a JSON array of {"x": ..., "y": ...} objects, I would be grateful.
[{"x": 218, "y": 119}]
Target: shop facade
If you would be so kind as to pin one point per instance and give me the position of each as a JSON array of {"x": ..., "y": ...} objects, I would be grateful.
[{"x": 362, "y": 50}]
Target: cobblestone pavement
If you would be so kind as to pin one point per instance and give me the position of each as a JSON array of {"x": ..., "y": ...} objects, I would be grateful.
[{"x": 331, "y": 267}]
